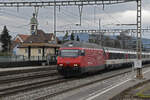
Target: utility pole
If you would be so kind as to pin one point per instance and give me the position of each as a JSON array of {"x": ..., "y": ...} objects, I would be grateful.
[
  {"x": 55, "y": 21},
  {"x": 80, "y": 12},
  {"x": 139, "y": 74},
  {"x": 100, "y": 33}
]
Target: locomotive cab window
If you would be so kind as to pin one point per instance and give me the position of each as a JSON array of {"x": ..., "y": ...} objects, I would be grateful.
[{"x": 69, "y": 53}]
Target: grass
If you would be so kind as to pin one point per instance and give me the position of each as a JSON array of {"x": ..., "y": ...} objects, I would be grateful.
[{"x": 142, "y": 95}]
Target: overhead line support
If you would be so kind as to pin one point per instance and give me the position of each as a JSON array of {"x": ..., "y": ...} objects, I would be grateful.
[
  {"x": 139, "y": 74},
  {"x": 103, "y": 30},
  {"x": 62, "y": 3}
]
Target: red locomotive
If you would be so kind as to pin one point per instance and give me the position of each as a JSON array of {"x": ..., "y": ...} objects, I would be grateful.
[{"x": 77, "y": 57}]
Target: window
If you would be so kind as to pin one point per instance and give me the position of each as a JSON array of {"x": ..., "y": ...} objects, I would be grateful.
[
  {"x": 32, "y": 27},
  {"x": 26, "y": 50},
  {"x": 69, "y": 53},
  {"x": 116, "y": 56},
  {"x": 39, "y": 51}
]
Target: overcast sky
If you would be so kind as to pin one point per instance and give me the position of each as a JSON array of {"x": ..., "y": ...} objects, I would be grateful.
[{"x": 17, "y": 20}]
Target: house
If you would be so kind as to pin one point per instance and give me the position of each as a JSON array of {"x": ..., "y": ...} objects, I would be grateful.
[
  {"x": 20, "y": 38},
  {"x": 39, "y": 43}
]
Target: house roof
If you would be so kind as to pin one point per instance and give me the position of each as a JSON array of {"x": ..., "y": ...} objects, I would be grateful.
[
  {"x": 40, "y": 37},
  {"x": 20, "y": 38},
  {"x": 23, "y": 36}
]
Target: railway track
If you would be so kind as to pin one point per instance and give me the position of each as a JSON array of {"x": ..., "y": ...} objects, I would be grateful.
[
  {"x": 16, "y": 71},
  {"x": 25, "y": 87},
  {"x": 16, "y": 82},
  {"x": 26, "y": 76},
  {"x": 85, "y": 84},
  {"x": 51, "y": 87},
  {"x": 80, "y": 86}
]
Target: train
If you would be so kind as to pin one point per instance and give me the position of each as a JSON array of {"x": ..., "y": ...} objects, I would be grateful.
[{"x": 75, "y": 58}]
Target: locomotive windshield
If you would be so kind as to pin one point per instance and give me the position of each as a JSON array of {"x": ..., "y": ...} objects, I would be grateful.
[{"x": 69, "y": 53}]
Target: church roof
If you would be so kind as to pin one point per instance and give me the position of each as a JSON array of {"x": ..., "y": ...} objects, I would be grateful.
[{"x": 40, "y": 37}]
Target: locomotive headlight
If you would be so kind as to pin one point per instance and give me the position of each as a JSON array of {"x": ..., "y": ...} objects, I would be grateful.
[
  {"x": 60, "y": 64},
  {"x": 75, "y": 65}
]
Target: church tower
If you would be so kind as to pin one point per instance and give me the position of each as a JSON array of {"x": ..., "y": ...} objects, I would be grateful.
[{"x": 33, "y": 25}]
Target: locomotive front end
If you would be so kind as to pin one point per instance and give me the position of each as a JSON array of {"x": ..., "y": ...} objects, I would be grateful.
[{"x": 69, "y": 61}]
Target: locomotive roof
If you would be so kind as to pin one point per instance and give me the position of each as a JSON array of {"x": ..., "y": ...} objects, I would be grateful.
[
  {"x": 80, "y": 44},
  {"x": 92, "y": 45}
]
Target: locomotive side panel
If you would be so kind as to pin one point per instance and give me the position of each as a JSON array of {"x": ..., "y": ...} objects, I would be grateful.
[{"x": 94, "y": 60}]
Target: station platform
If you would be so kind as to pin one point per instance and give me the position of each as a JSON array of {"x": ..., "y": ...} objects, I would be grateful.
[
  {"x": 115, "y": 90},
  {"x": 26, "y": 68},
  {"x": 108, "y": 90}
]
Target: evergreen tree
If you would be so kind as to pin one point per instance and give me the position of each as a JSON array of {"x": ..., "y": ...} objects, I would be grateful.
[
  {"x": 72, "y": 36},
  {"x": 78, "y": 39},
  {"x": 5, "y": 38}
]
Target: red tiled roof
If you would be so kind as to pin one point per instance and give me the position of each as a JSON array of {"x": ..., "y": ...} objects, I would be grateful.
[
  {"x": 40, "y": 37},
  {"x": 17, "y": 40},
  {"x": 23, "y": 37}
]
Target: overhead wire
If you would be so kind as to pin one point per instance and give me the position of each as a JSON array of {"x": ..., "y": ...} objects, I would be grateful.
[{"x": 71, "y": 14}]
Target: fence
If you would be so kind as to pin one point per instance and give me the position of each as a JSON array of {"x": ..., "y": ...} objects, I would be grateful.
[{"x": 23, "y": 58}]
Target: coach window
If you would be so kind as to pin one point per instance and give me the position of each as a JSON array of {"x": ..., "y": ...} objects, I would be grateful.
[
  {"x": 131, "y": 56},
  {"x": 110, "y": 55},
  {"x": 142, "y": 56},
  {"x": 118, "y": 56},
  {"x": 121, "y": 56}
]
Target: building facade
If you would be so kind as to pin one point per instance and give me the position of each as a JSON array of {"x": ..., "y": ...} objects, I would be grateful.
[{"x": 39, "y": 43}]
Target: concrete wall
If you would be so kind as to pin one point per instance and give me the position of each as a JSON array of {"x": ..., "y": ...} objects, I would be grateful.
[
  {"x": 35, "y": 51},
  {"x": 50, "y": 51},
  {"x": 22, "y": 52}
]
